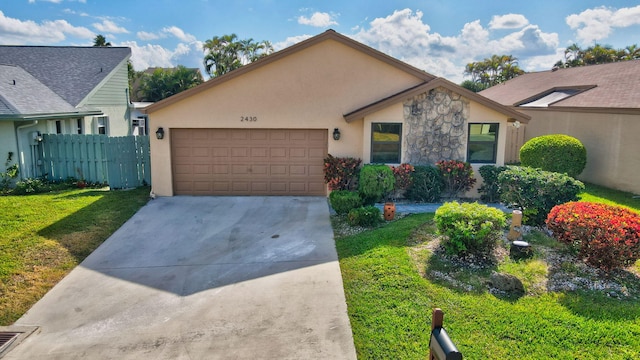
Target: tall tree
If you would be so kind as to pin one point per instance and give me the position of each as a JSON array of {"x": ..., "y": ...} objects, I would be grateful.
[
  {"x": 100, "y": 41},
  {"x": 163, "y": 83},
  {"x": 491, "y": 71},
  {"x": 226, "y": 53},
  {"x": 596, "y": 54}
]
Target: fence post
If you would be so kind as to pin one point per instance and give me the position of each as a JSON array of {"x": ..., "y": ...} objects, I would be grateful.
[{"x": 437, "y": 319}]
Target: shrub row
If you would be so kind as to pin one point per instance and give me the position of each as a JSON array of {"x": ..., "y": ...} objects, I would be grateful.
[
  {"x": 606, "y": 236},
  {"x": 536, "y": 191}
]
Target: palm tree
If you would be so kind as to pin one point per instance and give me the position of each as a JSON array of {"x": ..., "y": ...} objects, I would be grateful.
[
  {"x": 226, "y": 53},
  {"x": 100, "y": 41}
]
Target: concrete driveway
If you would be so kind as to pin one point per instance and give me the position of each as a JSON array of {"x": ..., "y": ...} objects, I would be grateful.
[{"x": 202, "y": 278}]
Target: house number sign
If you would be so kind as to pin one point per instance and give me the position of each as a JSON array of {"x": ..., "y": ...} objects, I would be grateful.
[{"x": 248, "y": 118}]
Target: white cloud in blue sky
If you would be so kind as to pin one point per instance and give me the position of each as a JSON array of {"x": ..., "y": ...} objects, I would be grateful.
[{"x": 437, "y": 37}]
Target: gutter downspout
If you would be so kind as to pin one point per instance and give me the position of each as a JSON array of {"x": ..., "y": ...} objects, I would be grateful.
[{"x": 20, "y": 152}]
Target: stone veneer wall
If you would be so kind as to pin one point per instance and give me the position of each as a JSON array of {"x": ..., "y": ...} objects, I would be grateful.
[{"x": 437, "y": 127}]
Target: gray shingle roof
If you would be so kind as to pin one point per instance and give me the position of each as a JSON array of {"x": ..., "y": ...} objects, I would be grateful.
[
  {"x": 71, "y": 72},
  {"x": 23, "y": 94},
  {"x": 617, "y": 85}
]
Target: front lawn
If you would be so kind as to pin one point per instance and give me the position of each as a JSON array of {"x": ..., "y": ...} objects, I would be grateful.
[
  {"x": 45, "y": 236},
  {"x": 393, "y": 280}
]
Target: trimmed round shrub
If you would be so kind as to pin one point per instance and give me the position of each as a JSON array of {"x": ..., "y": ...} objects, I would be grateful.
[
  {"x": 470, "y": 228},
  {"x": 342, "y": 201},
  {"x": 490, "y": 188},
  {"x": 536, "y": 191},
  {"x": 426, "y": 184},
  {"x": 364, "y": 216},
  {"x": 557, "y": 153},
  {"x": 605, "y": 236},
  {"x": 376, "y": 181}
]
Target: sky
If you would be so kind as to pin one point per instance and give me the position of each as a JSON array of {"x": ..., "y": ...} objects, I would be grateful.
[{"x": 440, "y": 37}]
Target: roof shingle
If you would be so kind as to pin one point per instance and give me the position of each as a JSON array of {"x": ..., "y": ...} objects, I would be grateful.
[
  {"x": 613, "y": 85},
  {"x": 71, "y": 72}
]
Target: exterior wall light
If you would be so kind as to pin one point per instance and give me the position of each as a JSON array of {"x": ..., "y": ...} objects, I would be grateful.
[
  {"x": 336, "y": 134},
  {"x": 160, "y": 133}
]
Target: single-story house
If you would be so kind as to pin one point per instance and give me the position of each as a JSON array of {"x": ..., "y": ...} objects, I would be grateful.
[
  {"x": 597, "y": 104},
  {"x": 59, "y": 90},
  {"x": 264, "y": 129}
]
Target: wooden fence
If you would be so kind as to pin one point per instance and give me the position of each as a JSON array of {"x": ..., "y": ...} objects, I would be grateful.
[{"x": 121, "y": 162}]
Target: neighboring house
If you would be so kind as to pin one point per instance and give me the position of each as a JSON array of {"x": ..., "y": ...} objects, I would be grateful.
[
  {"x": 59, "y": 90},
  {"x": 264, "y": 129},
  {"x": 139, "y": 122},
  {"x": 597, "y": 104}
]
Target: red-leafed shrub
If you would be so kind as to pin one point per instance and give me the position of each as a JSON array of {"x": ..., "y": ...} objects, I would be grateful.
[
  {"x": 457, "y": 175},
  {"x": 607, "y": 237},
  {"x": 341, "y": 173}
]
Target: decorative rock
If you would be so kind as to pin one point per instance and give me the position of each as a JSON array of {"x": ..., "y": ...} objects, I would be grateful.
[
  {"x": 520, "y": 250},
  {"x": 506, "y": 283}
]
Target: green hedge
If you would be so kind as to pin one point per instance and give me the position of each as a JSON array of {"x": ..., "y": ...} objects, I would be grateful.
[
  {"x": 557, "y": 153},
  {"x": 471, "y": 228},
  {"x": 426, "y": 184},
  {"x": 536, "y": 191},
  {"x": 342, "y": 201}
]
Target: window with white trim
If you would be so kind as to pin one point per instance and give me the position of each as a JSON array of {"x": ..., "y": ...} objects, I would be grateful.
[
  {"x": 482, "y": 145},
  {"x": 101, "y": 124},
  {"x": 139, "y": 126},
  {"x": 59, "y": 126}
]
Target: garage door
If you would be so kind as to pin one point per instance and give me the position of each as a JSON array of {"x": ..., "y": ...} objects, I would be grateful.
[{"x": 248, "y": 161}]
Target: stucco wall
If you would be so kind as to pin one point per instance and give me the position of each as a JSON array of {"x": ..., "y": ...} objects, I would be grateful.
[
  {"x": 309, "y": 89},
  {"x": 612, "y": 142},
  {"x": 7, "y": 143}
]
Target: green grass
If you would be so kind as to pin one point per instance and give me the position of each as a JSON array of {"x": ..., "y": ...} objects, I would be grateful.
[
  {"x": 390, "y": 306},
  {"x": 44, "y": 236},
  {"x": 600, "y": 194},
  {"x": 390, "y": 301}
]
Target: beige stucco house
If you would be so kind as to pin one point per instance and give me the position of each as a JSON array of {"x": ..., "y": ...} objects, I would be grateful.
[
  {"x": 265, "y": 128},
  {"x": 597, "y": 104}
]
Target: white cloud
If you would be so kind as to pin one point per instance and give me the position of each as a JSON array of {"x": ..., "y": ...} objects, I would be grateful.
[
  {"x": 73, "y": 12},
  {"x": 173, "y": 31},
  {"x": 598, "y": 23},
  {"x": 145, "y": 36},
  {"x": 179, "y": 34},
  {"x": 15, "y": 31},
  {"x": 405, "y": 36},
  {"x": 110, "y": 27},
  {"x": 508, "y": 21},
  {"x": 150, "y": 55},
  {"x": 318, "y": 19},
  {"x": 290, "y": 41}
]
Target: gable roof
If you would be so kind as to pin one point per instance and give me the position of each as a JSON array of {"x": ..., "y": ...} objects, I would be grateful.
[
  {"x": 614, "y": 86},
  {"x": 422, "y": 88},
  {"x": 70, "y": 72},
  {"x": 22, "y": 96},
  {"x": 327, "y": 35}
]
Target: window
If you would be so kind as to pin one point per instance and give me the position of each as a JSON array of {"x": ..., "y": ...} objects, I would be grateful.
[
  {"x": 386, "y": 142},
  {"x": 58, "y": 126},
  {"x": 138, "y": 126},
  {"x": 79, "y": 126},
  {"x": 483, "y": 143},
  {"x": 102, "y": 124}
]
